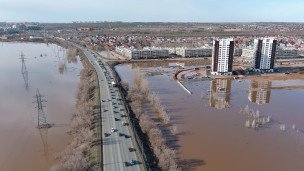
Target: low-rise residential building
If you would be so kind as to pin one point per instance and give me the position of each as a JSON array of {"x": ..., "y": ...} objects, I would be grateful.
[
  {"x": 85, "y": 29},
  {"x": 194, "y": 52},
  {"x": 248, "y": 52},
  {"x": 238, "y": 52},
  {"x": 145, "y": 53},
  {"x": 287, "y": 53}
]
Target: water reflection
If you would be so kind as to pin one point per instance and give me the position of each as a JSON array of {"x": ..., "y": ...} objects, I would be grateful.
[
  {"x": 19, "y": 138},
  {"x": 220, "y": 90},
  {"x": 44, "y": 139},
  {"x": 72, "y": 55},
  {"x": 24, "y": 72},
  {"x": 214, "y": 128},
  {"x": 259, "y": 91},
  {"x": 62, "y": 66}
]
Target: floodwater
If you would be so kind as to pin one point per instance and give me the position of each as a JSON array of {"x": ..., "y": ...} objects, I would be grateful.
[
  {"x": 46, "y": 67},
  {"x": 212, "y": 132}
]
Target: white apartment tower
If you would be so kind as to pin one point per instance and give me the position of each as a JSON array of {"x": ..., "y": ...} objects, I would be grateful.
[
  {"x": 264, "y": 54},
  {"x": 222, "y": 56}
]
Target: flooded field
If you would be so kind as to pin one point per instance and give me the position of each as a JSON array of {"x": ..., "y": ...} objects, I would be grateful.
[
  {"x": 232, "y": 125},
  {"x": 47, "y": 68}
]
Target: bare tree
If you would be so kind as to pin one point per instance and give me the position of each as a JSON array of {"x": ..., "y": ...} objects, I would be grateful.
[{"x": 76, "y": 154}]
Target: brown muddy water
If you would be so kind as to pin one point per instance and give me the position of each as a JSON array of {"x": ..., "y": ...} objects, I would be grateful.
[
  {"x": 212, "y": 132},
  {"x": 22, "y": 145}
]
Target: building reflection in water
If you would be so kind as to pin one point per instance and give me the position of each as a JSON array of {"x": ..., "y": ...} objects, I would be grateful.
[
  {"x": 220, "y": 90},
  {"x": 259, "y": 91}
]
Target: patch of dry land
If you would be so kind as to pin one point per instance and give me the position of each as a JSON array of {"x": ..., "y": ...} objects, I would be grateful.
[{"x": 276, "y": 76}]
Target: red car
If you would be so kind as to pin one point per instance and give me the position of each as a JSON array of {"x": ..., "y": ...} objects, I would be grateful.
[{"x": 131, "y": 149}]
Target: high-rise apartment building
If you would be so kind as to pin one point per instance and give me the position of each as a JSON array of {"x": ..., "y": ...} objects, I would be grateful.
[
  {"x": 222, "y": 56},
  {"x": 264, "y": 54}
]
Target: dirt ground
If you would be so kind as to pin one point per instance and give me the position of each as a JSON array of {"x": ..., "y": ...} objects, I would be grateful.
[{"x": 276, "y": 76}]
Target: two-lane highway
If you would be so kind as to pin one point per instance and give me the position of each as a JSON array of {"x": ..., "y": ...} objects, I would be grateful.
[{"x": 117, "y": 138}]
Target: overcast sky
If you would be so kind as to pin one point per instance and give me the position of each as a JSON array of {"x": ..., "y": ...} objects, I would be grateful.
[{"x": 152, "y": 10}]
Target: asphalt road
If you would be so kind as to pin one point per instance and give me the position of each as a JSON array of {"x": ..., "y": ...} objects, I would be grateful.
[{"x": 115, "y": 146}]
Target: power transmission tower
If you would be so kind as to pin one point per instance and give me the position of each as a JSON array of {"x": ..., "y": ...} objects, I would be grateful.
[
  {"x": 24, "y": 71},
  {"x": 42, "y": 122},
  {"x": 43, "y": 125}
]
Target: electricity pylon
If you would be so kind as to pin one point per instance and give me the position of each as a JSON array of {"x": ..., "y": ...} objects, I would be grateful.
[
  {"x": 43, "y": 125},
  {"x": 42, "y": 122}
]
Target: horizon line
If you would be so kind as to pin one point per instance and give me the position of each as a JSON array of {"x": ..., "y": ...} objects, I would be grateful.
[{"x": 182, "y": 22}]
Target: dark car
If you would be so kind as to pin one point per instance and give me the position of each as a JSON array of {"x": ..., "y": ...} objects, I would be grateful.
[
  {"x": 106, "y": 134},
  {"x": 127, "y": 136},
  {"x": 121, "y": 134},
  {"x": 134, "y": 162},
  {"x": 128, "y": 164},
  {"x": 116, "y": 119},
  {"x": 125, "y": 124}
]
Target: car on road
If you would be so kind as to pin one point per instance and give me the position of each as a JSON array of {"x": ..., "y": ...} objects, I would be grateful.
[
  {"x": 121, "y": 134},
  {"x": 127, "y": 136},
  {"x": 123, "y": 115},
  {"x": 131, "y": 149},
  {"x": 116, "y": 119},
  {"x": 125, "y": 124},
  {"x": 107, "y": 134},
  {"x": 114, "y": 130},
  {"x": 134, "y": 162},
  {"x": 127, "y": 164}
]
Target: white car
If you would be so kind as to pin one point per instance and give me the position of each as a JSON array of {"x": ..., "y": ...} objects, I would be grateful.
[{"x": 113, "y": 129}]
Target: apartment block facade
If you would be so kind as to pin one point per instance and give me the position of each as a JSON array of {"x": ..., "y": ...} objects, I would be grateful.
[
  {"x": 194, "y": 52},
  {"x": 264, "y": 54},
  {"x": 222, "y": 56},
  {"x": 145, "y": 53}
]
